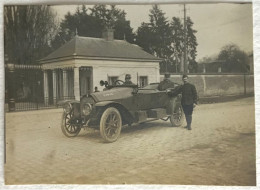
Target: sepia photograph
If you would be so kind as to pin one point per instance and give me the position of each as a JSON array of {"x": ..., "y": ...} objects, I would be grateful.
[{"x": 129, "y": 94}]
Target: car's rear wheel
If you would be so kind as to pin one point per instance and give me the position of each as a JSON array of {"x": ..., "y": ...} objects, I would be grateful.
[
  {"x": 68, "y": 128},
  {"x": 177, "y": 117},
  {"x": 110, "y": 124}
]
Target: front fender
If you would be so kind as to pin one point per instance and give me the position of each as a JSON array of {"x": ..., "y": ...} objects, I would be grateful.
[
  {"x": 104, "y": 103},
  {"x": 73, "y": 105},
  {"x": 127, "y": 116},
  {"x": 62, "y": 102}
]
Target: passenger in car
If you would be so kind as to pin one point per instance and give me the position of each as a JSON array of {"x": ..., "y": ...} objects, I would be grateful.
[
  {"x": 166, "y": 83},
  {"x": 96, "y": 89}
]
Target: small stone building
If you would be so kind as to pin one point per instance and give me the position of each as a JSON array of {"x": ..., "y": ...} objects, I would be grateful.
[{"x": 74, "y": 69}]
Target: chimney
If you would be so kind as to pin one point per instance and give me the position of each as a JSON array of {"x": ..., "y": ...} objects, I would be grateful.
[{"x": 108, "y": 34}]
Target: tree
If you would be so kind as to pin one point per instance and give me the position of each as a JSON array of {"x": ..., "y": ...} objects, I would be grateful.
[
  {"x": 80, "y": 21},
  {"x": 234, "y": 59},
  {"x": 208, "y": 59},
  {"x": 165, "y": 40},
  {"x": 155, "y": 36},
  {"x": 144, "y": 37},
  {"x": 113, "y": 18},
  {"x": 191, "y": 46},
  {"x": 122, "y": 26},
  {"x": 177, "y": 45},
  {"x": 28, "y": 31},
  {"x": 92, "y": 22},
  {"x": 162, "y": 33},
  {"x": 161, "y": 43}
]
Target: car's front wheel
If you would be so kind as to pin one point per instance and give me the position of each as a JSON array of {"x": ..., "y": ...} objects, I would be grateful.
[
  {"x": 177, "y": 117},
  {"x": 110, "y": 124},
  {"x": 68, "y": 128}
]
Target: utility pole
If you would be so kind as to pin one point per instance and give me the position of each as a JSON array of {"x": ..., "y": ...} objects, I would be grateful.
[
  {"x": 185, "y": 42},
  {"x": 165, "y": 59}
]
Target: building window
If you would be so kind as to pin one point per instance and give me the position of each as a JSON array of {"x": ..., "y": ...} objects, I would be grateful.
[
  {"x": 143, "y": 81},
  {"x": 112, "y": 79}
]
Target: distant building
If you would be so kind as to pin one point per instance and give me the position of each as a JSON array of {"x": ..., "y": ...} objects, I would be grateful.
[
  {"x": 220, "y": 66},
  {"x": 211, "y": 67},
  {"x": 74, "y": 69}
]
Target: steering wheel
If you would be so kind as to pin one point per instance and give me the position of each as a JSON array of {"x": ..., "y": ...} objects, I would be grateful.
[{"x": 119, "y": 82}]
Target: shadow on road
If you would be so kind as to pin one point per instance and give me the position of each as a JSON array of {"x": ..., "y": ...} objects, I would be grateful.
[
  {"x": 135, "y": 128},
  {"x": 93, "y": 135}
]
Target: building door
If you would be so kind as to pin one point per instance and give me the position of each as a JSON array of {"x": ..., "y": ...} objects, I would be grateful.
[{"x": 85, "y": 80}]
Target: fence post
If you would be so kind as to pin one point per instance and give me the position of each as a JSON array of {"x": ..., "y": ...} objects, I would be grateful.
[
  {"x": 244, "y": 84},
  {"x": 65, "y": 83},
  {"x": 204, "y": 68},
  {"x": 45, "y": 87},
  {"x": 11, "y": 89},
  {"x": 37, "y": 91},
  {"x": 54, "y": 84},
  {"x": 76, "y": 84}
]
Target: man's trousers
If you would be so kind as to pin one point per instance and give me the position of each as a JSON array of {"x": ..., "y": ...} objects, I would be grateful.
[{"x": 188, "y": 109}]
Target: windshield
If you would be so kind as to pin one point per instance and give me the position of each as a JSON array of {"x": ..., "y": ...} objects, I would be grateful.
[
  {"x": 151, "y": 86},
  {"x": 154, "y": 86}
]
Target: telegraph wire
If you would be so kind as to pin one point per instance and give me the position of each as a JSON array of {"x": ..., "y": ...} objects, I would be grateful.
[{"x": 225, "y": 23}]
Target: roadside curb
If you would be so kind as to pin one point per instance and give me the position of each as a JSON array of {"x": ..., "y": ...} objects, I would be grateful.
[
  {"x": 34, "y": 112},
  {"x": 219, "y": 99}
]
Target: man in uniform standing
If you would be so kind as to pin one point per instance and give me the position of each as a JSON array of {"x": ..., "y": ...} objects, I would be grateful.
[{"x": 188, "y": 100}]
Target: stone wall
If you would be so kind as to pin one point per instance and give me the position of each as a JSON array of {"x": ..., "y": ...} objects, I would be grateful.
[{"x": 220, "y": 85}]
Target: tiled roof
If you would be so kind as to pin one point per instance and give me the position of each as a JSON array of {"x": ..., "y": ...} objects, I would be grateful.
[{"x": 100, "y": 48}]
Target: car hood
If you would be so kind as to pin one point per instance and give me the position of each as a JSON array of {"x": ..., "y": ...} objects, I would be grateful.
[{"x": 113, "y": 94}]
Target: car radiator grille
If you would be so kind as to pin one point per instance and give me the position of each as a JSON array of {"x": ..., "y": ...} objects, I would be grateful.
[{"x": 84, "y": 100}]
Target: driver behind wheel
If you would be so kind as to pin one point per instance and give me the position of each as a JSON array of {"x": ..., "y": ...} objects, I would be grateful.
[{"x": 128, "y": 79}]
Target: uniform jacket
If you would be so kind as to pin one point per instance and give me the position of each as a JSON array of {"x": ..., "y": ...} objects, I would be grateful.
[
  {"x": 128, "y": 82},
  {"x": 189, "y": 94},
  {"x": 166, "y": 83}
]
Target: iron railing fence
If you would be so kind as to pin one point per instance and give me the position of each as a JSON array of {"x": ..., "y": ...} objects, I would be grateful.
[{"x": 24, "y": 89}]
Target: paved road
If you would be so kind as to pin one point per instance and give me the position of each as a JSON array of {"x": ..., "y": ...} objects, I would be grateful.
[{"x": 220, "y": 150}]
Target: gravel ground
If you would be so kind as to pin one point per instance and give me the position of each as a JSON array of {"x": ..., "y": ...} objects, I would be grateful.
[{"x": 220, "y": 150}]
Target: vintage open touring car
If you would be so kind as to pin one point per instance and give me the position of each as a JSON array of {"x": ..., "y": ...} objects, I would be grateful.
[{"x": 120, "y": 104}]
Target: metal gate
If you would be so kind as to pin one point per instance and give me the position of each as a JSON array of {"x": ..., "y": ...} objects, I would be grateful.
[{"x": 24, "y": 88}]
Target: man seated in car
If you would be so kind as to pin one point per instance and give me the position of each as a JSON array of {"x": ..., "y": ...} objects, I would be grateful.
[
  {"x": 166, "y": 83},
  {"x": 128, "y": 79}
]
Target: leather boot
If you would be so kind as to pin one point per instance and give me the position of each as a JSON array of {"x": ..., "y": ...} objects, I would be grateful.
[{"x": 189, "y": 119}]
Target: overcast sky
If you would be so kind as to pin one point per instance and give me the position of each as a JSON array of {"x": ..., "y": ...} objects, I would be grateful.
[{"x": 217, "y": 24}]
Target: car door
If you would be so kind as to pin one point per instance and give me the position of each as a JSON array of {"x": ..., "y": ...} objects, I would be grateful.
[{"x": 148, "y": 99}]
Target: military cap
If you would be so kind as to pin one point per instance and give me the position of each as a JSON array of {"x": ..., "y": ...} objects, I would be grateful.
[
  {"x": 167, "y": 75},
  {"x": 184, "y": 76},
  {"x": 127, "y": 76}
]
